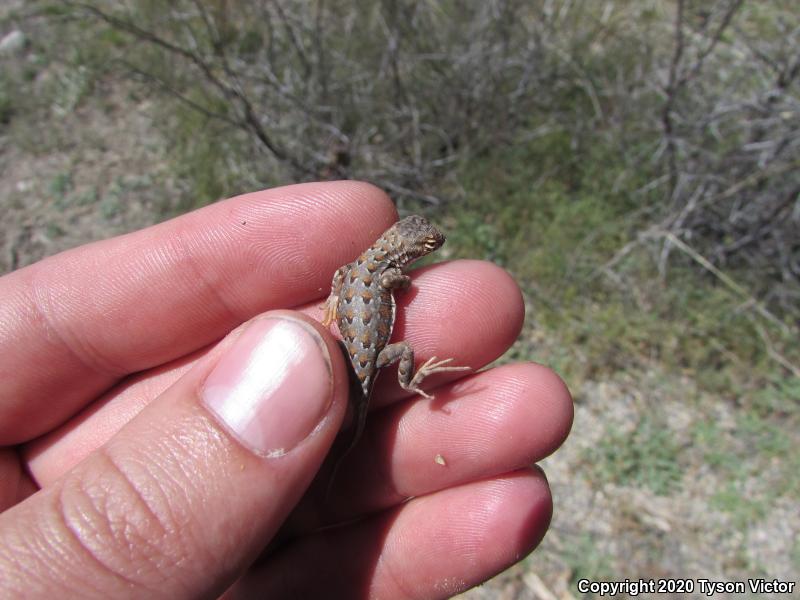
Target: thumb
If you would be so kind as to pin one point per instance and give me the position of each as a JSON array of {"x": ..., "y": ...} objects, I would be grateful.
[{"x": 186, "y": 495}]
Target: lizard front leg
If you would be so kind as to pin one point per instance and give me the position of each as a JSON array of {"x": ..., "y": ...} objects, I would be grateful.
[
  {"x": 394, "y": 279},
  {"x": 332, "y": 302},
  {"x": 402, "y": 351}
]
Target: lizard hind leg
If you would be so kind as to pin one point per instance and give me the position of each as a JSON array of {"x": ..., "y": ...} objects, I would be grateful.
[
  {"x": 332, "y": 302},
  {"x": 402, "y": 351},
  {"x": 330, "y": 314}
]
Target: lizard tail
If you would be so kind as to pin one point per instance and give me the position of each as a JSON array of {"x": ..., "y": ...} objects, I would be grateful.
[{"x": 360, "y": 406}]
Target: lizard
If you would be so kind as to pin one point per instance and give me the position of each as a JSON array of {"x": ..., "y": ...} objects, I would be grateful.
[{"x": 362, "y": 304}]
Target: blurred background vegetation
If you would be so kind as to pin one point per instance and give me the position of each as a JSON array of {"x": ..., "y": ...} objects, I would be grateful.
[{"x": 633, "y": 163}]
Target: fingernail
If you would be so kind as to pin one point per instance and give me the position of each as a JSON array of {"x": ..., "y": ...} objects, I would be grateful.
[{"x": 272, "y": 388}]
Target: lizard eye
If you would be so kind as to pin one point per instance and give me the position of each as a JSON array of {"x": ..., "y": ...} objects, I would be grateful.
[{"x": 430, "y": 244}]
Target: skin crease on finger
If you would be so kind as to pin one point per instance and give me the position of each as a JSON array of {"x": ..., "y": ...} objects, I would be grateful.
[
  {"x": 74, "y": 324},
  {"x": 492, "y": 313},
  {"x": 10, "y": 476}
]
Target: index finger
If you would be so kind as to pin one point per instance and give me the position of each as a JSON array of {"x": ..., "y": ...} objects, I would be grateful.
[{"x": 73, "y": 324}]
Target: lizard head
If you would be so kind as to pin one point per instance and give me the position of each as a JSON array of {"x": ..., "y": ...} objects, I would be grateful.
[{"x": 412, "y": 238}]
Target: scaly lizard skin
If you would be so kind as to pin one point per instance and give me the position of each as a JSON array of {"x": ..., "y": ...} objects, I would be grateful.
[{"x": 362, "y": 304}]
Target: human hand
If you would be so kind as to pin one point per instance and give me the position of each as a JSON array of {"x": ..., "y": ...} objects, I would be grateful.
[{"x": 130, "y": 466}]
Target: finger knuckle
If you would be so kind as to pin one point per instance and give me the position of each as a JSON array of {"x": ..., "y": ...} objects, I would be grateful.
[{"x": 122, "y": 520}]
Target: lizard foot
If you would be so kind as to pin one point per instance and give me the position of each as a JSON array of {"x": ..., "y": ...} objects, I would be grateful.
[
  {"x": 429, "y": 367},
  {"x": 330, "y": 310}
]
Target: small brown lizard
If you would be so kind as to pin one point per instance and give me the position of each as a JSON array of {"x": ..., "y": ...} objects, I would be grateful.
[{"x": 362, "y": 304}]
